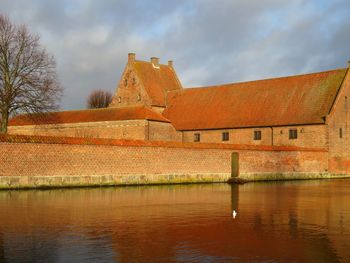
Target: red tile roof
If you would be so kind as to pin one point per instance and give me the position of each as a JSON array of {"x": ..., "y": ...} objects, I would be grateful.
[
  {"x": 157, "y": 81},
  {"x": 95, "y": 115},
  {"x": 303, "y": 99}
]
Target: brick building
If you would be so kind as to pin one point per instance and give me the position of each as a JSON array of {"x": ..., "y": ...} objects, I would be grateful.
[{"x": 150, "y": 103}]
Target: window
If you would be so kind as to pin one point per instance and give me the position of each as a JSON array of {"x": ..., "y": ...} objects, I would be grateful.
[
  {"x": 293, "y": 134},
  {"x": 225, "y": 136},
  {"x": 257, "y": 135},
  {"x": 125, "y": 82},
  {"x": 119, "y": 99},
  {"x": 197, "y": 137},
  {"x": 340, "y": 132}
]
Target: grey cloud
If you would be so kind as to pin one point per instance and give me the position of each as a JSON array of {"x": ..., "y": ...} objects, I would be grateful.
[{"x": 210, "y": 41}]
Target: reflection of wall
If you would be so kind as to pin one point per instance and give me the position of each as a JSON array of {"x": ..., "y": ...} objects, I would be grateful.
[
  {"x": 2, "y": 248},
  {"x": 289, "y": 222},
  {"x": 313, "y": 211}
]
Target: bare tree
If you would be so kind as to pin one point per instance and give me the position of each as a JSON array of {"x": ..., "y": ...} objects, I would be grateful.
[
  {"x": 99, "y": 99},
  {"x": 28, "y": 79}
]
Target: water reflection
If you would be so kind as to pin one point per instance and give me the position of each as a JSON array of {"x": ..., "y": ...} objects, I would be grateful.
[{"x": 305, "y": 221}]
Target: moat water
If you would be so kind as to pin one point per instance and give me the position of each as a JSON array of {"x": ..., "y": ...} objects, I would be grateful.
[{"x": 301, "y": 221}]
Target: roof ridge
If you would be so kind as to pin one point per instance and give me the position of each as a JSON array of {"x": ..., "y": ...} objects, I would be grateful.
[{"x": 266, "y": 79}]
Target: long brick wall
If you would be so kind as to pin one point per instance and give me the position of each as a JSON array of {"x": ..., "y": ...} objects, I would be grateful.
[{"x": 66, "y": 161}]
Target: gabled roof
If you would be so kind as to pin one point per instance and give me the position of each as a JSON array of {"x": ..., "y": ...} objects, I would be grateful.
[
  {"x": 95, "y": 115},
  {"x": 157, "y": 81},
  {"x": 303, "y": 99}
]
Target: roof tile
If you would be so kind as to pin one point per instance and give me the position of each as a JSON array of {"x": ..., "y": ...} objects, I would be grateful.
[
  {"x": 157, "y": 81},
  {"x": 93, "y": 115},
  {"x": 302, "y": 99}
]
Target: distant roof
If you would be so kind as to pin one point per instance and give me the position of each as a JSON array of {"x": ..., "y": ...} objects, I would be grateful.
[
  {"x": 158, "y": 81},
  {"x": 93, "y": 115},
  {"x": 302, "y": 99}
]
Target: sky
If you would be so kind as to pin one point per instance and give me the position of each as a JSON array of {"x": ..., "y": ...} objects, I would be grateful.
[{"x": 210, "y": 41}]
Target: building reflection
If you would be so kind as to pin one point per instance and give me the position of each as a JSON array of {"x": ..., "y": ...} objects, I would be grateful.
[{"x": 297, "y": 221}]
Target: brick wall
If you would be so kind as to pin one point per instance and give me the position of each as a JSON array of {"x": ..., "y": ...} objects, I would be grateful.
[
  {"x": 339, "y": 118},
  {"x": 45, "y": 159},
  {"x": 236, "y": 136},
  {"x": 276, "y": 162},
  {"x": 127, "y": 129},
  {"x": 308, "y": 136},
  {"x": 161, "y": 131}
]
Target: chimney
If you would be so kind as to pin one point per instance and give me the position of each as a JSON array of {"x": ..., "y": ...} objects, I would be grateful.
[
  {"x": 170, "y": 63},
  {"x": 155, "y": 61},
  {"x": 131, "y": 57}
]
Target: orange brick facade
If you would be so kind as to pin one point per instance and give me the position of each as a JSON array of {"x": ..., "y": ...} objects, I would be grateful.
[
  {"x": 324, "y": 98},
  {"x": 42, "y": 159},
  {"x": 338, "y": 131},
  {"x": 308, "y": 136},
  {"x": 130, "y": 91},
  {"x": 128, "y": 130}
]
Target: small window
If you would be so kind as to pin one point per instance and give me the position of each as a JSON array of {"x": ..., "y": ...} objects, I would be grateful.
[
  {"x": 138, "y": 97},
  {"x": 340, "y": 132},
  {"x": 257, "y": 135},
  {"x": 119, "y": 99},
  {"x": 197, "y": 137},
  {"x": 125, "y": 82},
  {"x": 293, "y": 134},
  {"x": 225, "y": 136}
]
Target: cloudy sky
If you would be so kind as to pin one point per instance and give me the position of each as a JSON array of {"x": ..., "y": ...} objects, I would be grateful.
[{"x": 210, "y": 41}]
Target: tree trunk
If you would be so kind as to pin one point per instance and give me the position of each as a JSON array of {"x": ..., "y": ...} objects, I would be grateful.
[{"x": 4, "y": 121}]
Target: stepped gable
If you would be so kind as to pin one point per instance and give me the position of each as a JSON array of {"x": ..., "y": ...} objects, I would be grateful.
[
  {"x": 93, "y": 115},
  {"x": 294, "y": 100},
  {"x": 145, "y": 83}
]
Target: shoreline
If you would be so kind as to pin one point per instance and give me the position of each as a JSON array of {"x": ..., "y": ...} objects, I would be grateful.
[{"x": 62, "y": 181}]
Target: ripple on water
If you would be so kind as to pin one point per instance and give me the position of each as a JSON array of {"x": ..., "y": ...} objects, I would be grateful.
[{"x": 276, "y": 222}]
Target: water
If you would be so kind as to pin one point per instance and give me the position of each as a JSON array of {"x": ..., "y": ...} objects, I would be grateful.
[{"x": 304, "y": 221}]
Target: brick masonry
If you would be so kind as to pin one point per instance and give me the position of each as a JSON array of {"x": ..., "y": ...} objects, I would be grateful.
[
  {"x": 46, "y": 164},
  {"x": 339, "y": 118},
  {"x": 308, "y": 136},
  {"x": 126, "y": 129}
]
